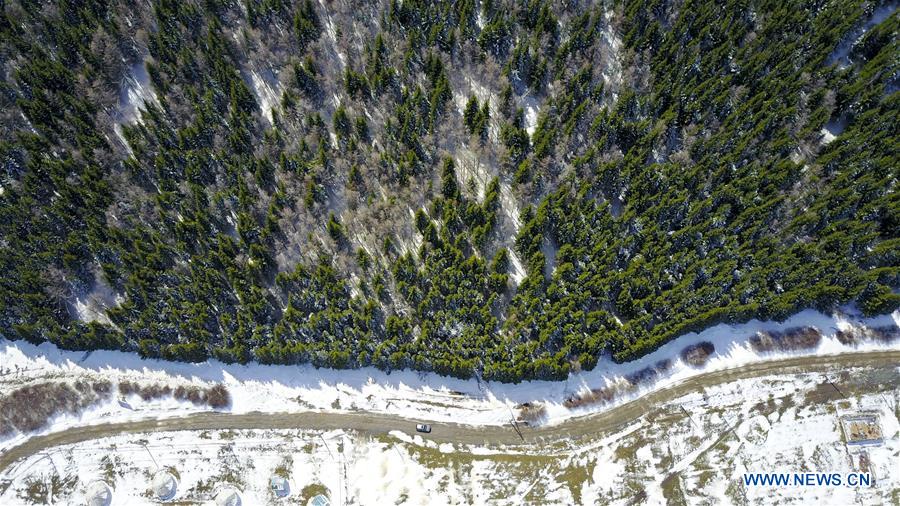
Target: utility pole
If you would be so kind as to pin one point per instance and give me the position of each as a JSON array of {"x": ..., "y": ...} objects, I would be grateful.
[
  {"x": 516, "y": 427},
  {"x": 689, "y": 416},
  {"x": 150, "y": 454},
  {"x": 326, "y": 446},
  {"x": 512, "y": 421}
]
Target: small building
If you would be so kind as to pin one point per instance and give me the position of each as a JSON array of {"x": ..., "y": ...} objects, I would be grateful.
[
  {"x": 98, "y": 494},
  {"x": 164, "y": 485},
  {"x": 228, "y": 497},
  {"x": 279, "y": 486},
  {"x": 862, "y": 429},
  {"x": 319, "y": 500}
]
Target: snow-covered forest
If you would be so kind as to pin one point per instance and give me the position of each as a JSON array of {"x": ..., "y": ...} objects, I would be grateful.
[{"x": 497, "y": 189}]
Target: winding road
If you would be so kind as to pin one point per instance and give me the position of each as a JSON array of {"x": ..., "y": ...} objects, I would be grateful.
[{"x": 374, "y": 423}]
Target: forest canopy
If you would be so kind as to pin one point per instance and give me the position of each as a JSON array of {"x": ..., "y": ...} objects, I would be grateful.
[{"x": 496, "y": 188}]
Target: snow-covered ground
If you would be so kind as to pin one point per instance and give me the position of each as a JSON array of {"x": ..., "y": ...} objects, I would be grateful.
[
  {"x": 832, "y": 129},
  {"x": 268, "y": 91},
  {"x": 405, "y": 393},
  {"x": 531, "y": 113},
  {"x": 693, "y": 450},
  {"x": 203, "y": 463},
  {"x": 841, "y": 54},
  {"x": 136, "y": 93},
  {"x": 699, "y": 446},
  {"x": 346, "y": 468}
]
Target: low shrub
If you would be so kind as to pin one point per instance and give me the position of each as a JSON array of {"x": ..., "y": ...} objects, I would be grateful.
[
  {"x": 799, "y": 338},
  {"x": 29, "y": 408},
  {"x": 696, "y": 355}
]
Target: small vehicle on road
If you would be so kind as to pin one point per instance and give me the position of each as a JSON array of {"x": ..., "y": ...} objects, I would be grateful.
[{"x": 423, "y": 427}]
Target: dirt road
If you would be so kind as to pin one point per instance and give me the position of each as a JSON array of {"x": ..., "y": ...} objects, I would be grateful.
[{"x": 373, "y": 423}]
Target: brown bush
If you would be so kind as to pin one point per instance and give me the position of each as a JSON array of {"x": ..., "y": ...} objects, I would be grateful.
[
  {"x": 218, "y": 397},
  {"x": 885, "y": 334},
  {"x": 696, "y": 355},
  {"x": 596, "y": 396},
  {"x": 82, "y": 387},
  {"x": 851, "y": 336},
  {"x": 802, "y": 338},
  {"x": 762, "y": 342},
  {"x": 644, "y": 375},
  {"x": 190, "y": 393},
  {"x": 531, "y": 412},
  {"x": 215, "y": 397},
  {"x": 609, "y": 393},
  {"x": 102, "y": 388},
  {"x": 154, "y": 391},
  {"x": 181, "y": 392},
  {"x": 649, "y": 373},
  {"x": 195, "y": 395},
  {"x": 127, "y": 387},
  {"x": 664, "y": 364},
  {"x": 29, "y": 408},
  {"x": 799, "y": 338},
  {"x": 856, "y": 335}
]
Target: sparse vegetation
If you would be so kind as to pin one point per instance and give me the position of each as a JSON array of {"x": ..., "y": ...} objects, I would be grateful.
[
  {"x": 216, "y": 396},
  {"x": 857, "y": 335},
  {"x": 597, "y": 395},
  {"x": 283, "y": 469},
  {"x": 792, "y": 339},
  {"x": 311, "y": 490},
  {"x": 29, "y": 408},
  {"x": 48, "y": 490}
]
